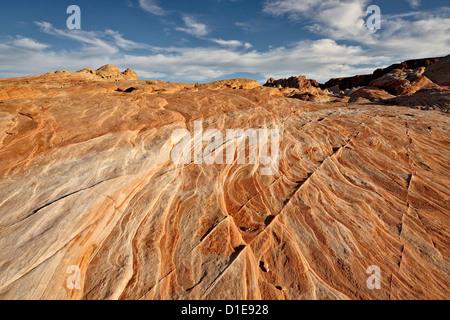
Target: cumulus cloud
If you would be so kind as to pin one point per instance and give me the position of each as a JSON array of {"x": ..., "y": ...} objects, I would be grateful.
[
  {"x": 193, "y": 27},
  {"x": 319, "y": 59},
  {"x": 402, "y": 37},
  {"x": 28, "y": 43},
  {"x": 412, "y": 38},
  {"x": 343, "y": 19}
]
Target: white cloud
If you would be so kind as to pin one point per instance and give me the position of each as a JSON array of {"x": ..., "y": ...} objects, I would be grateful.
[
  {"x": 414, "y": 3},
  {"x": 281, "y": 7},
  {"x": 320, "y": 59},
  {"x": 402, "y": 37},
  {"x": 247, "y": 26},
  {"x": 92, "y": 40},
  {"x": 422, "y": 38},
  {"x": 123, "y": 43},
  {"x": 409, "y": 35},
  {"x": 193, "y": 27},
  {"x": 228, "y": 43},
  {"x": 152, "y": 7},
  {"x": 232, "y": 43},
  {"x": 344, "y": 19},
  {"x": 104, "y": 42},
  {"x": 28, "y": 43}
]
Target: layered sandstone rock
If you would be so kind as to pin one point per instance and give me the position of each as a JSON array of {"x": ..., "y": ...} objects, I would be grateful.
[
  {"x": 230, "y": 84},
  {"x": 370, "y": 94},
  {"x": 427, "y": 98},
  {"x": 108, "y": 72},
  {"x": 111, "y": 72},
  {"x": 292, "y": 82},
  {"x": 306, "y": 94},
  {"x": 93, "y": 207},
  {"x": 299, "y": 88},
  {"x": 439, "y": 73},
  {"x": 422, "y": 83},
  {"x": 397, "y": 81},
  {"x": 365, "y": 80}
]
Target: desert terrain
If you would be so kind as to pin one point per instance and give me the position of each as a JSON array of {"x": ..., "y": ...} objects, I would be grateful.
[{"x": 93, "y": 207}]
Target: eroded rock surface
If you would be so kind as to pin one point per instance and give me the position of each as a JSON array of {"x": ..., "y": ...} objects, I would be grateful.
[
  {"x": 87, "y": 183},
  {"x": 365, "y": 79},
  {"x": 292, "y": 82},
  {"x": 440, "y": 72},
  {"x": 369, "y": 94},
  {"x": 398, "y": 81},
  {"x": 427, "y": 98}
]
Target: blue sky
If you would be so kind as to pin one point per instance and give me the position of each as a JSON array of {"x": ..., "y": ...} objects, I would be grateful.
[{"x": 205, "y": 40}]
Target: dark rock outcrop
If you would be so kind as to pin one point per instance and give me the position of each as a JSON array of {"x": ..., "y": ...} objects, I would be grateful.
[{"x": 439, "y": 73}]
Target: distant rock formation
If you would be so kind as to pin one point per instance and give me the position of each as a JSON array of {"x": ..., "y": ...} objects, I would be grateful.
[
  {"x": 108, "y": 72},
  {"x": 369, "y": 94},
  {"x": 230, "y": 84},
  {"x": 292, "y": 82},
  {"x": 306, "y": 94},
  {"x": 299, "y": 88},
  {"x": 427, "y": 77},
  {"x": 425, "y": 99},
  {"x": 397, "y": 81},
  {"x": 364, "y": 80},
  {"x": 439, "y": 72},
  {"x": 111, "y": 72}
]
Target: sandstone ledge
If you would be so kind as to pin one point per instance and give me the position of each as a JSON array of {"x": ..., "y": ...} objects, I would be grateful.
[{"x": 86, "y": 180}]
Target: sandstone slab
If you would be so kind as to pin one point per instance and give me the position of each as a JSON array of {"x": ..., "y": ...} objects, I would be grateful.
[{"x": 93, "y": 207}]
